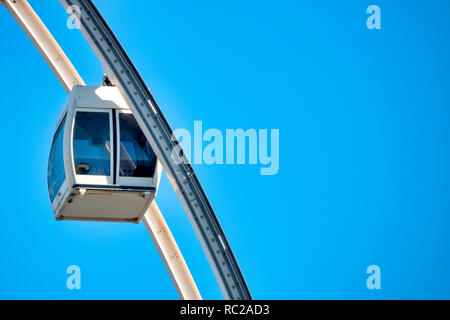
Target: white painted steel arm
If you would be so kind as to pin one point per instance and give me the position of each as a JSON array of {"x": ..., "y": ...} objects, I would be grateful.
[
  {"x": 45, "y": 43},
  {"x": 171, "y": 254},
  {"x": 69, "y": 77}
]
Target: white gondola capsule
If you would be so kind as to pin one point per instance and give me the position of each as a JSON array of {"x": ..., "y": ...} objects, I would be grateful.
[{"x": 101, "y": 167}]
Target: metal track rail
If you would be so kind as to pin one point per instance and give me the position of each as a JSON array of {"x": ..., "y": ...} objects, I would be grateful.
[{"x": 122, "y": 73}]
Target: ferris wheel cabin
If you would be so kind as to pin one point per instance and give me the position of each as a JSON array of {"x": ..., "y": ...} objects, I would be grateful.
[{"x": 101, "y": 167}]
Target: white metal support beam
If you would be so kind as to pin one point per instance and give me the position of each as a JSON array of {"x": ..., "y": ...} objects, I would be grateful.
[
  {"x": 171, "y": 254},
  {"x": 69, "y": 77},
  {"x": 45, "y": 43}
]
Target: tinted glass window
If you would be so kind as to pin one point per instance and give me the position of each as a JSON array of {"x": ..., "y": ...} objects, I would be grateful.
[
  {"x": 137, "y": 158},
  {"x": 55, "y": 173},
  {"x": 92, "y": 143}
]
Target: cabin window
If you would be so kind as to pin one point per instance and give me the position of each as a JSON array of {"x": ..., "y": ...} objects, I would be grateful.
[
  {"x": 92, "y": 143},
  {"x": 137, "y": 158},
  {"x": 56, "y": 173}
]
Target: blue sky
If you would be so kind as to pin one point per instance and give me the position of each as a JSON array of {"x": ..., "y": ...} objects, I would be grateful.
[{"x": 364, "y": 149}]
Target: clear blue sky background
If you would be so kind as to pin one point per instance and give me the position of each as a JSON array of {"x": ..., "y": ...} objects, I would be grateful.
[{"x": 364, "y": 148}]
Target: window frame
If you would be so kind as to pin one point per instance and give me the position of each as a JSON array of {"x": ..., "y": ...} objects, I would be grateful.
[{"x": 103, "y": 180}]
